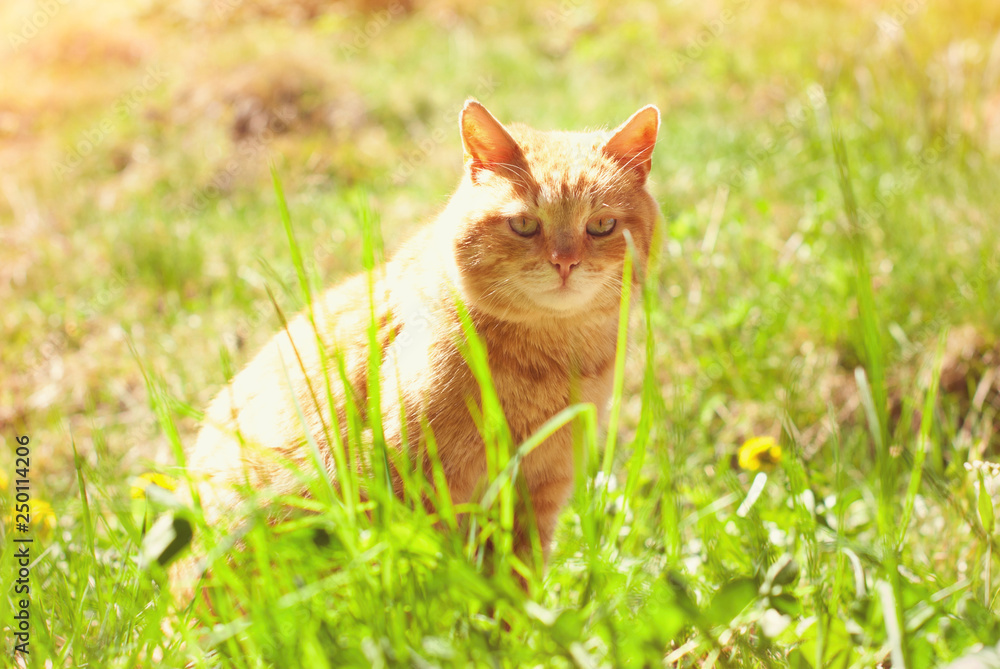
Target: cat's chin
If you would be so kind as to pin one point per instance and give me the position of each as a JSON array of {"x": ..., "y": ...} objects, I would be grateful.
[
  {"x": 562, "y": 301},
  {"x": 559, "y": 304}
]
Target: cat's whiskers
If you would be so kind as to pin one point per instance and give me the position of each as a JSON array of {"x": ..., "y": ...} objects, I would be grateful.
[{"x": 497, "y": 290}]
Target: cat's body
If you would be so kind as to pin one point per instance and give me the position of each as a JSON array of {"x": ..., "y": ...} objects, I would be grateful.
[{"x": 533, "y": 244}]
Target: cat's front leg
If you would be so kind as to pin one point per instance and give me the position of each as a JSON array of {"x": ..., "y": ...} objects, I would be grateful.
[{"x": 547, "y": 497}]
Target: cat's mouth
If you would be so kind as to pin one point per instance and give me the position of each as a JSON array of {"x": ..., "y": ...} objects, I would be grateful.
[
  {"x": 565, "y": 296},
  {"x": 564, "y": 287}
]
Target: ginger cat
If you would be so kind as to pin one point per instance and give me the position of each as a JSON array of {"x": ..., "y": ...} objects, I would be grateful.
[{"x": 533, "y": 244}]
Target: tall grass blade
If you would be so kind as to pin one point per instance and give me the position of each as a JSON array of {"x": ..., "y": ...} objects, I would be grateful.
[{"x": 874, "y": 397}]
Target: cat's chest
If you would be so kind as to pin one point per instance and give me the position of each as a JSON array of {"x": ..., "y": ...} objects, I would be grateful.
[
  {"x": 536, "y": 373},
  {"x": 535, "y": 380}
]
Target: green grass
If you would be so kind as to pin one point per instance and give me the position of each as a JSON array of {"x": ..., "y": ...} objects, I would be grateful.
[{"x": 827, "y": 275}]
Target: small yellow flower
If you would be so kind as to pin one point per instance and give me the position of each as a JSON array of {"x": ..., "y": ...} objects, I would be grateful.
[
  {"x": 4, "y": 480},
  {"x": 138, "y": 490},
  {"x": 759, "y": 453},
  {"x": 42, "y": 517}
]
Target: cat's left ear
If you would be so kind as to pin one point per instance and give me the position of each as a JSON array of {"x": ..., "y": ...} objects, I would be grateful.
[
  {"x": 631, "y": 144},
  {"x": 487, "y": 143}
]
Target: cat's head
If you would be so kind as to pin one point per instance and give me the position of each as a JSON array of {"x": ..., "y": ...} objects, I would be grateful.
[{"x": 542, "y": 216}]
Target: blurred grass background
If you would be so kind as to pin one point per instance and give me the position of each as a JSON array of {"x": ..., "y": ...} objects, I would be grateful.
[{"x": 135, "y": 204}]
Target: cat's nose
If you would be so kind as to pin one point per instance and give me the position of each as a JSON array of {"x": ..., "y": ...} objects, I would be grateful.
[{"x": 565, "y": 261}]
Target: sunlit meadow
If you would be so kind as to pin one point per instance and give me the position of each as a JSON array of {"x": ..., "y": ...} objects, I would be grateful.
[{"x": 801, "y": 466}]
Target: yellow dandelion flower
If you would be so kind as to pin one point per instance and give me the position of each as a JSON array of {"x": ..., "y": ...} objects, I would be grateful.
[
  {"x": 42, "y": 517},
  {"x": 4, "y": 480},
  {"x": 138, "y": 490},
  {"x": 759, "y": 453}
]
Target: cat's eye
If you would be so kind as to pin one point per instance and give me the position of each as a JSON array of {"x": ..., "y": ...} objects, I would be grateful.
[
  {"x": 523, "y": 225},
  {"x": 599, "y": 227}
]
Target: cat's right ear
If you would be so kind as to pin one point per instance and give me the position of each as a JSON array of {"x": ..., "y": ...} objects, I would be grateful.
[
  {"x": 632, "y": 143},
  {"x": 486, "y": 142}
]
